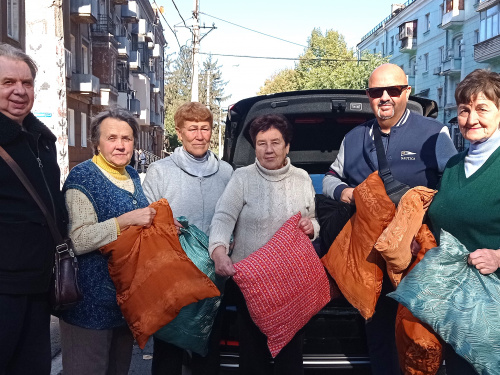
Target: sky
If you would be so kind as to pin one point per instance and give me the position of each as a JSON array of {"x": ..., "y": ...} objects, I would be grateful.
[{"x": 290, "y": 22}]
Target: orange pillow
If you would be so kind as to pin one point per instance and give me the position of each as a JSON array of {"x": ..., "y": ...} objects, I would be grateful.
[
  {"x": 395, "y": 242},
  {"x": 353, "y": 263},
  {"x": 419, "y": 348},
  {"x": 153, "y": 276}
]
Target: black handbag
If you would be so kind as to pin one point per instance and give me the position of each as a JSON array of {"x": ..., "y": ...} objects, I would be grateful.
[
  {"x": 64, "y": 291},
  {"x": 394, "y": 189}
]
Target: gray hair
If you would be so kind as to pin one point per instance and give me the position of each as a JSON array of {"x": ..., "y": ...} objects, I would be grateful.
[
  {"x": 117, "y": 113},
  {"x": 13, "y": 53}
]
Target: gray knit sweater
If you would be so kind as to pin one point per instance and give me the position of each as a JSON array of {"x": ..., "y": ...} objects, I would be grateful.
[
  {"x": 190, "y": 190},
  {"x": 256, "y": 203}
]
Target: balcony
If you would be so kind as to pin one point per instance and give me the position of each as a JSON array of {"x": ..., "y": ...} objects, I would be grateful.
[
  {"x": 68, "y": 63},
  {"x": 487, "y": 51},
  {"x": 452, "y": 66},
  {"x": 84, "y": 11},
  {"x": 130, "y": 12},
  {"x": 408, "y": 45},
  {"x": 135, "y": 107},
  {"x": 122, "y": 86},
  {"x": 104, "y": 25},
  {"x": 135, "y": 60},
  {"x": 157, "y": 50},
  {"x": 123, "y": 47},
  {"x": 454, "y": 19},
  {"x": 85, "y": 84}
]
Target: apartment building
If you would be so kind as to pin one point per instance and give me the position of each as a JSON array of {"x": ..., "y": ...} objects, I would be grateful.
[
  {"x": 114, "y": 56},
  {"x": 437, "y": 43}
]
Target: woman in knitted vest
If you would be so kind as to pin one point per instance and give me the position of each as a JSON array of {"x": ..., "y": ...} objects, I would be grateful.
[
  {"x": 467, "y": 202},
  {"x": 258, "y": 200},
  {"x": 103, "y": 197}
]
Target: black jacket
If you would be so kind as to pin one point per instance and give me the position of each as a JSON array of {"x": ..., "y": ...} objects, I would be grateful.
[{"x": 26, "y": 244}]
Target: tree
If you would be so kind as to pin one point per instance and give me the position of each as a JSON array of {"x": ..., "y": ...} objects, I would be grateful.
[
  {"x": 178, "y": 78},
  {"x": 327, "y": 63}
]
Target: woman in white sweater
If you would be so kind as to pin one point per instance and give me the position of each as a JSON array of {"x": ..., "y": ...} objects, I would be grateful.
[{"x": 258, "y": 200}]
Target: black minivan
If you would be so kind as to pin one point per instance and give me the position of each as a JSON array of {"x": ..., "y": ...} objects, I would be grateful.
[{"x": 335, "y": 337}]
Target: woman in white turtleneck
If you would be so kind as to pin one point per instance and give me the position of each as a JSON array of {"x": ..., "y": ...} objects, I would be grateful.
[{"x": 467, "y": 204}]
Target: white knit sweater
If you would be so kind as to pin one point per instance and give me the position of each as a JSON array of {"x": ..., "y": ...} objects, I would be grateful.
[{"x": 256, "y": 203}]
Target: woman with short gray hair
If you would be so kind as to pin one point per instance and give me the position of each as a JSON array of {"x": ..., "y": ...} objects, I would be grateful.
[{"x": 103, "y": 197}]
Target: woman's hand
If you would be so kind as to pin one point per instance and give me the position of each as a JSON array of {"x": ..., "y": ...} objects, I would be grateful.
[
  {"x": 223, "y": 264},
  {"x": 306, "y": 226},
  {"x": 178, "y": 226},
  {"x": 141, "y": 217},
  {"x": 485, "y": 260},
  {"x": 347, "y": 195}
]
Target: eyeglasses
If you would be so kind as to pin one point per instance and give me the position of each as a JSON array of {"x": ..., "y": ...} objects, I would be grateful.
[{"x": 377, "y": 92}]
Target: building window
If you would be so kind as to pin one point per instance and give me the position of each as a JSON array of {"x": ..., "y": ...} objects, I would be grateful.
[
  {"x": 13, "y": 19},
  {"x": 392, "y": 44},
  {"x": 427, "y": 22},
  {"x": 489, "y": 23},
  {"x": 85, "y": 59},
  {"x": 83, "y": 126},
  {"x": 71, "y": 127},
  {"x": 383, "y": 49},
  {"x": 73, "y": 53},
  {"x": 426, "y": 62},
  {"x": 476, "y": 36},
  {"x": 413, "y": 66},
  {"x": 454, "y": 4},
  {"x": 441, "y": 11},
  {"x": 442, "y": 57},
  {"x": 440, "y": 96}
]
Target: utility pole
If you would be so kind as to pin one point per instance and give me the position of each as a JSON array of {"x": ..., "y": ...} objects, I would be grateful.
[{"x": 196, "y": 50}]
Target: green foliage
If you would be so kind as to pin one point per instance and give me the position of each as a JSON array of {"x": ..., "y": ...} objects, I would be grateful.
[
  {"x": 326, "y": 63},
  {"x": 178, "y": 77}
]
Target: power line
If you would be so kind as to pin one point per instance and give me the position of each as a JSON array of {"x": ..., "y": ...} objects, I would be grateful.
[
  {"x": 175, "y": 5},
  {"x": 285, "y": 58},
  {"x": 255, "y": 31},
  {"x": 164, "y": 19}
]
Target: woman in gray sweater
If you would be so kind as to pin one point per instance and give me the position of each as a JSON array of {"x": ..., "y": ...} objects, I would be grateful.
[
  {"x": 192, "y": 179},
  {"x": 257, "y": 201}
]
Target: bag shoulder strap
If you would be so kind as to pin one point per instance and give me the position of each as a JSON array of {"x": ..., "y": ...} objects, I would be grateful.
[
  {"x": 383, "y": 166},
  {"x": 27, "y": 184}
]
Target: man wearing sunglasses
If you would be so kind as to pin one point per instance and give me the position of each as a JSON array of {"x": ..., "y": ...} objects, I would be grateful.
[{"x": 417, "y": 150}]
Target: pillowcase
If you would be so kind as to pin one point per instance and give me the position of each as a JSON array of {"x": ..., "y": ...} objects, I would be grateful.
[
  {"x": 153, "y": 276},
  {"x": 352, "y": 261},
  {"x": 284, "y": 284},
  {"x": 457, "y": 301},
  {"x": 191, "y": 329}
]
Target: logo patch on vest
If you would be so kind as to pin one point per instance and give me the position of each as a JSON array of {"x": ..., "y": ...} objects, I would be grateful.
[{"x": 407, "y": 155}]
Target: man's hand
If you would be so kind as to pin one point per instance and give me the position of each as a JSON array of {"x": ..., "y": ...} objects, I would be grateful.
[{"x": 347, "y": 195}]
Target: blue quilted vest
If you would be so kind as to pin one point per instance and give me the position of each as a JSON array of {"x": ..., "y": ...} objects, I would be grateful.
[{"x": 99, "y": 309}]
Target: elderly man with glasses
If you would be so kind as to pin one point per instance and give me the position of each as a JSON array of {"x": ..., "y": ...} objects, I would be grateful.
[{"x": 417, "y": 150}]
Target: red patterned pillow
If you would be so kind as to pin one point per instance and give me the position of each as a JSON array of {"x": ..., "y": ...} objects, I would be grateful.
[{"x": 284, "y": 284}]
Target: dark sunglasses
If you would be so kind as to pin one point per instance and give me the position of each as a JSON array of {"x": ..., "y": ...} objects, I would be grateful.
[{"x": 377, "y": 92}]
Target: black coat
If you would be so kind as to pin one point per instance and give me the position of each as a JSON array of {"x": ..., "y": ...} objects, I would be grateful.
[{"x": 26, "y": 244}]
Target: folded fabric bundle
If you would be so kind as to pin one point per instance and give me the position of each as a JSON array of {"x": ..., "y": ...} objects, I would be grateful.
[
  {"x": 394, "y": 244},
  {"x": 153, "y": 276},
  {"x": 457, "y": 301},
  {"x": 284, "y": 284},
  {"x": 353, "y": 263},
  {"x": 191, "y": 329},
  {"x": 420, "y": 350}
]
